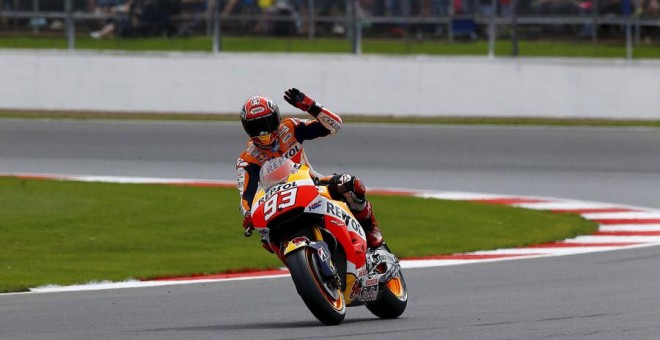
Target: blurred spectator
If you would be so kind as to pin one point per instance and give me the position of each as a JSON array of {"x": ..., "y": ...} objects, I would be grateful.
[
  {"x": 334, "y": 8},
  {"x": 243, "y": 7},
  {"x": 586, "y": 9},
  {"x": 609, "y": 7},
  {"x": 434, "y": 9},
  {"x": 105, "y": 6},
  {"x": 281, "y": 19},
  {"x": 277, "y": 17},
  {"x": 650, "y": 9},
  {"x": 556, "y": 7},
  {"x": 141, "y": 18},
  {"x": 120, "y": 8},
  {"x": 505, "y": 8},
  {"x": 393, "y": 8},
  {"x": 195, "y": 11},
  {"x": 155, "y": 17}
]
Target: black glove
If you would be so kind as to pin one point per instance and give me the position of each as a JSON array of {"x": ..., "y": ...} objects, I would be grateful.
[{"x": 298, "y": 99}]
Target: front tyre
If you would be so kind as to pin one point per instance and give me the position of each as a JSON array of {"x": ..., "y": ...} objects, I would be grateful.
[
  {"x": 394, "y": 300},
  {"x": 324, "y": 300}
]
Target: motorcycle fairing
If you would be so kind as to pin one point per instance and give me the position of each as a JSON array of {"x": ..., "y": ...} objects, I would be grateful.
[
  {"x": 269, "y": 205},
  {"x": 299, "y": 190}
]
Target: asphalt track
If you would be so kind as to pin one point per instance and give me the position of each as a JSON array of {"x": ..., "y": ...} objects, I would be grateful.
[{"x": 612, "y": 295}]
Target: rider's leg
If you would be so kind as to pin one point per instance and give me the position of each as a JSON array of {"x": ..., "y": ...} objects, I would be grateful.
[{"x": 352, "y": 190}]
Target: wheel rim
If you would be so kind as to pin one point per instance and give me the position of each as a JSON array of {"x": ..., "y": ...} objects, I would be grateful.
[{"x": 396, "y": 286}]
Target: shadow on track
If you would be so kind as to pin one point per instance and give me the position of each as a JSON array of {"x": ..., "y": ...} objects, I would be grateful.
[{"x": 256, "y": 325}]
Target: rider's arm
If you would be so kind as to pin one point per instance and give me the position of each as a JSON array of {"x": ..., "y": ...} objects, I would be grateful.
[
  {"x": 329, "y": 120},
  {"x": 326, "y": 121},
  {"x": 306, "y": 129},
  {"x": 248, "y": 182}
]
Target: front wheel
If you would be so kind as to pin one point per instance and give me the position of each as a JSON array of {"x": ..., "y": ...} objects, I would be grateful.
[
  {"x": 320, "y": 295},
  {"x": 394, "y": 300}
]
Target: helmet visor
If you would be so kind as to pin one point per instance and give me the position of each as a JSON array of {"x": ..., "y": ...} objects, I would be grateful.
[{"x": 261, "y": 126}]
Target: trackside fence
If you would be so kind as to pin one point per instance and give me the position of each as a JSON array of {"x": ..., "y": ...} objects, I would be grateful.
[{"x": 629, "y": 22}]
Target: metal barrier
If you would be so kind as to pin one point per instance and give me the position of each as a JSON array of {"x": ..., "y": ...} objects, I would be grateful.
[{"x": 357, "y": 21}]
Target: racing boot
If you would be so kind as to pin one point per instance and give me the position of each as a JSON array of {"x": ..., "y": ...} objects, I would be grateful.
[{"x": 368, "y": 221}]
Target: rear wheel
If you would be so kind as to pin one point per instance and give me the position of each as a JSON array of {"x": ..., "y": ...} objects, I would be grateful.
[
  {"x": 393, "y": 301},
  {"x": 320, "y": 294}
]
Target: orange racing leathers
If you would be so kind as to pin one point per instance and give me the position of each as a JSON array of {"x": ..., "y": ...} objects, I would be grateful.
[{"x": 292, "y": 132}]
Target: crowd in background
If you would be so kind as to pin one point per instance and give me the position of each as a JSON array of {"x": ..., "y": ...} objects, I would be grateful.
[{"x": 162, "y": 17}]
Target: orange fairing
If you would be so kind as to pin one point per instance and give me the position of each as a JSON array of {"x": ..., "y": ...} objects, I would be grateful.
[
  {"x": 286, "y": 186},
  {"x": 348, "y": 240}
]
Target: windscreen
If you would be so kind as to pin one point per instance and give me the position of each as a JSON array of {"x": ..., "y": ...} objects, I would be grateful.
[{"x": 275, "y": 171}]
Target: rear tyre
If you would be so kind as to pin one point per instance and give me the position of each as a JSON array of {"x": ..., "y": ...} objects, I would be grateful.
[
  {"x": 324, "y": 300},
  {"x": 393, "y": 301}
]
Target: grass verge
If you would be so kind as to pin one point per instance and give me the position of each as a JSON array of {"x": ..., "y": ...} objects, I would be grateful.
[
  {"x": 57, "y": 232},
  {"x": 348, "y": 118},
  {"x": 527, "y": 48}
]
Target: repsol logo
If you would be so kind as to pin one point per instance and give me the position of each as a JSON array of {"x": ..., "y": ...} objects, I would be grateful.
[
  {"x": 275, "y": 189},
  {"x": 341, "y": 214},
  {"x": 292, "y": 152},
  {"x": 281, "y": 187}
]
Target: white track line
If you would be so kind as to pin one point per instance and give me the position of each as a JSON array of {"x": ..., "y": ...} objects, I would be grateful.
[
  {"x": 630, "y": 227},
  {"x": 633, "y": 215}
]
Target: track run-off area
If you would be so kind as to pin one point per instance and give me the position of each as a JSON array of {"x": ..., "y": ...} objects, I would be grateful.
[
  {"x": 619, "y": 227},
  {"x": 595, "y": 294}
]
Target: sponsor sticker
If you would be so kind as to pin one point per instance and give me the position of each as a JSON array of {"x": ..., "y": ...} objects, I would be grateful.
[
  {"x": 364, "y": 293},
  {"x": 371, "y": 282},
  {"x": 292, "y": 152},
  {"x": 258, "y": 109},
  {"x": 329, "y": 121},
  {"x": 335, "y": 210},
  {"x": 368, "y": 294},
  {"x": 315, "y": 205},
  {"x": 271, "y": 105},
  {"x": 323, "y": 255}
]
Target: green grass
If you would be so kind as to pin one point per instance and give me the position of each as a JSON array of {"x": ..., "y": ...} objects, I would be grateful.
[
  {"x": 55, "y": 232},
  {"x": 86, "y": 115},
  {"x": 531, "y": 48}
]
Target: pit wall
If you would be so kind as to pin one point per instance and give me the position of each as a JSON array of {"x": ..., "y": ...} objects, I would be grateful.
[{"x": 369, "y": 85}]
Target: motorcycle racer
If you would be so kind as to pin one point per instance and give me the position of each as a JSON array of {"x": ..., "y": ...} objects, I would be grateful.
[{"x": 270, "y": 137}]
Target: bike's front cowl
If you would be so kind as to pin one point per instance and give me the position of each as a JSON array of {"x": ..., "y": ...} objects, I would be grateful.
[{"x": 316, "y": 278}]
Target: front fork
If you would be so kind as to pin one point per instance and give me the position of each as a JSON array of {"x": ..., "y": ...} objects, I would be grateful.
[{"x": 320, "y": 251}]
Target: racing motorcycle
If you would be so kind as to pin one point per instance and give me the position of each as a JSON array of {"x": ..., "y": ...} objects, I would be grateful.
[{"x": 323, "y": 246}]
